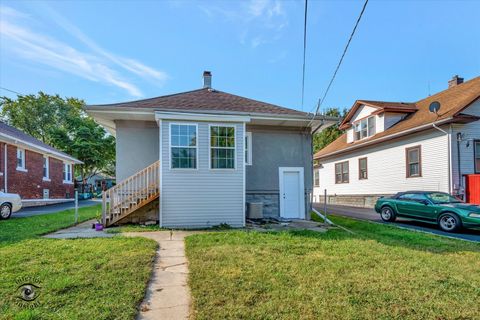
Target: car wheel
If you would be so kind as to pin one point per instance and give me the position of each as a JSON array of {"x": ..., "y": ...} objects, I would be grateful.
[
  {"x": 388, "y": 214},
  {"x": 449, "y": 222},
  {"x": 5, "y": 211}
]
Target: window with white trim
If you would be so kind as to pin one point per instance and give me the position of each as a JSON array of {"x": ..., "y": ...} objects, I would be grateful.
[
  {"x": 222, "y": 147},
  {"x": 248, "y": 148},
  {"x": 20, "y": 159},
  {"x": 67, "y": 172},
  {"x": 183, "y": 146},
  {"x": 46, "y": 169},
  {"x": 364, "y": 128},
  {"x": 316, "y": 178}
]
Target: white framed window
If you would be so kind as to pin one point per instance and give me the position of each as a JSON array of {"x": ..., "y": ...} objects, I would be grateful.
[
  {"x": 183, "y": 146},
  {"x": 248, "y": 148},
  {"x": 67, "y": 173},
  {"x": 316, "y": 177},
  {"x": 222, "y": 146},
  {"x": 364, "y": 128},
  {"x": 21, "y": 160},
  {"x": 46, "y": 168}
]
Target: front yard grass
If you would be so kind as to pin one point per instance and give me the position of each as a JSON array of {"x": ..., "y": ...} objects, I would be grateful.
[
  {"x": 78, "y": 279},
  {"x": 17, "y": 229},
  {"x": 380, "y": 272}
]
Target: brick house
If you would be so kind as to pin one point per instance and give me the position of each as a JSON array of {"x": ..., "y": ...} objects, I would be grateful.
[{"x": 33, "y": 169}]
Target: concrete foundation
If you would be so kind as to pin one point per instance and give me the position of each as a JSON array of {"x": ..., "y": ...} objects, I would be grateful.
[
  {"x": 271, "y": 203},
  {"x": 363, "y": 201}
]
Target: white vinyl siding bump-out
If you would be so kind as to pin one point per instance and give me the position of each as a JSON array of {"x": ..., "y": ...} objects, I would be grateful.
[{"x": 203, "y": 197}]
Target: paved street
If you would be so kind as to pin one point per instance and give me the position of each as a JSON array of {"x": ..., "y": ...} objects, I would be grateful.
[
  {"x": 33, "y": 211},
  {"x": 370, "y": 214}
]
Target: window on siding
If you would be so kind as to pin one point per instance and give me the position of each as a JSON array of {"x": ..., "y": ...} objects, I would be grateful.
[
  {"x": 183, "y": 146},
  {"x": 20, "y": 159},
  {"x": 316, "y": 177},
  {"x": 67, "y": 172},
  {"x": 46, "y": 170},
  {"x": 364, "y": 128},
  {"x": 477, "y": 156},
  {"x": 222, "y": 147},
  {"x": 414, "y": 162},
  {"x": 362, "y": 169},
  {"x": 341, "y": 172},
  {"x": 248, "y": 148}
]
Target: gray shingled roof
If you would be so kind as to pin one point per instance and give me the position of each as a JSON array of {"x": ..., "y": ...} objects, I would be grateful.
[
  {"x": 207, "y": 100},
  {"x": 20, "y": 135}
]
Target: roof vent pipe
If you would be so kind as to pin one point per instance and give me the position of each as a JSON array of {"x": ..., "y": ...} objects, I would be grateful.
[{"x": 207, "y": 79}]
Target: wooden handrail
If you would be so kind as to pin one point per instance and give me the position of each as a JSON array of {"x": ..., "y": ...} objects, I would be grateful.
[{"x": 131, "y": 194}]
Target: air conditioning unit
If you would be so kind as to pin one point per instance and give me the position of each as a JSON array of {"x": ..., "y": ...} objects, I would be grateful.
[{"x": 255, "y": 210}]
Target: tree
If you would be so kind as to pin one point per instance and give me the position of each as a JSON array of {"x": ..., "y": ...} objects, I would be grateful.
[
  {"x": 327, "y": 136},
  {"x": 63, "y": 124}
]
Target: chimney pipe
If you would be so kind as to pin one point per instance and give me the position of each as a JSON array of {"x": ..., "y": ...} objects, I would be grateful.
[
  {"x": 207, "y": 79},
  {"x": 456, "y": 80}
]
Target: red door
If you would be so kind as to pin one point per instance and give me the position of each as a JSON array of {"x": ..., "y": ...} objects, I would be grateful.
[{"x": 473, "y": 188}]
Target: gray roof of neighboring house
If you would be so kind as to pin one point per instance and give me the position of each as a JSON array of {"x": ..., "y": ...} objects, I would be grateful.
[
  {"x": 14, "y": 133},
  {"x": 207, "y": 99}
]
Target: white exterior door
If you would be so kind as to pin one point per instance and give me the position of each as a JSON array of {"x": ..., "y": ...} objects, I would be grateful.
[{"x": 292, "y": 204}]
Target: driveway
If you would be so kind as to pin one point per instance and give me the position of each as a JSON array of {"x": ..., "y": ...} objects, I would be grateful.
[
  {"x": 33, "y": 211},
  {"x": 371, "y": 215}
]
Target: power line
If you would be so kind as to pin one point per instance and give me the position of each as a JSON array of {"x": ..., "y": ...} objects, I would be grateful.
[
  {"x": 12, "y": 91},
  {"x": 304, "y": 50},
  {"x": 339, "y": 62}
]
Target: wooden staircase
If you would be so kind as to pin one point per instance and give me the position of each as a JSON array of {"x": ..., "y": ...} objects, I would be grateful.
[{"x": 131, "y": 194}]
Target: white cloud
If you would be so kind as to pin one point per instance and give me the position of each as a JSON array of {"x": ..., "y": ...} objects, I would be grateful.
[
  {"x": 96, "y": 65},
  {"x": 131, "y": 65},
  {"x": 260, "y": 21}
]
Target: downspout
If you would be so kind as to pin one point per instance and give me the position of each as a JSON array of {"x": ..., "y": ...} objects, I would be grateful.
[
  {"x": 459, "y": 139},
  {"x": 449, "y": 154},
  {"x": 322, "y": 122},
  {"x": 450, "y": 161}
]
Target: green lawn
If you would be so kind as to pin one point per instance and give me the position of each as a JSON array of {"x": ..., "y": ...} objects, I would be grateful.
[
  {"x": 381, "y": 272},
  {"x": 18, "y": 229},
  {"x": 78, "y": 279}
]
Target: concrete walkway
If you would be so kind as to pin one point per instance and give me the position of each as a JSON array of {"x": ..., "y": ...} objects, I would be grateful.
[
  {"x": 168, "y": 296},
  {"x": 82, "y": 230}
]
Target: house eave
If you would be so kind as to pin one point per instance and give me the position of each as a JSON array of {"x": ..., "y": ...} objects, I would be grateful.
[
  {"x": 388, "y": 137},
  {"x": 106, "y": 117},
  {"x": 38, "y": 149}
]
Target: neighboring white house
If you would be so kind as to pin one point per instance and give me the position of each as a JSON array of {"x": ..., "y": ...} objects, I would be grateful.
[
  {"x": 390, "y": 147},
  {"x": 197, "y": 158}
]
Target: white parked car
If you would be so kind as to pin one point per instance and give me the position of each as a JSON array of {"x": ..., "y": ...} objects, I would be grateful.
[{"x": 9, "y": 202}]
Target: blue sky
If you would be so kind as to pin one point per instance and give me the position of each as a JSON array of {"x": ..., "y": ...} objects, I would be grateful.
[{"x": 111, "y": 51}]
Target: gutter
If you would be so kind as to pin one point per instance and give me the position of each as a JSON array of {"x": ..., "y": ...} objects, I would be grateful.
[
  {"x": 256, "y": 115},
  {"x": 389, "y": 137}
]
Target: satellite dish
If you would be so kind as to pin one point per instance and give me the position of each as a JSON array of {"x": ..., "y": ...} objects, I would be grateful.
[{"x": 434, "y": 107}]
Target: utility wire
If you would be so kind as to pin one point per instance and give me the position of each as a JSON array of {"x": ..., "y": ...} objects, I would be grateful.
[
  {"x": 12, "y": 91},
  {"x": 304, "y": 50},
  {"x": 339, "y": 63}
]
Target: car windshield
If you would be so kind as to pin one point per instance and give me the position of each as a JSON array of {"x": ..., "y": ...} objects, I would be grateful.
[{"x": 441, "y": 198}]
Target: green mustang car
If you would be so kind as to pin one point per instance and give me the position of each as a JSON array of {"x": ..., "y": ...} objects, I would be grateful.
[{"x": 448, "y": 212}]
